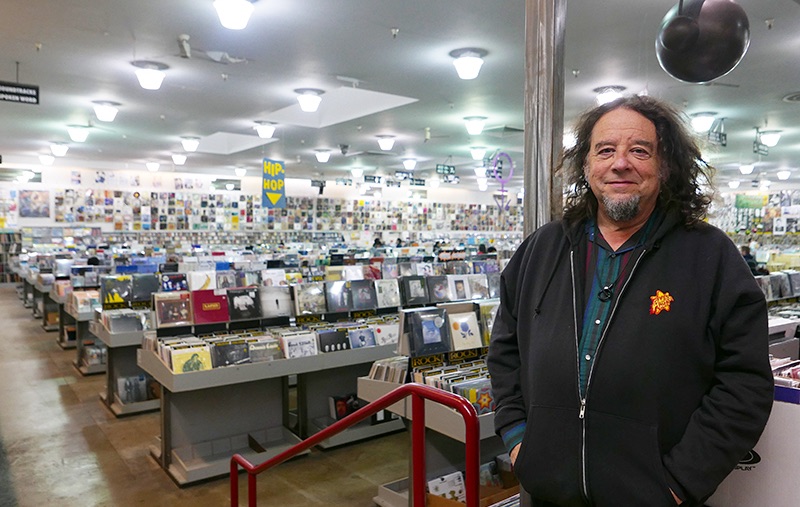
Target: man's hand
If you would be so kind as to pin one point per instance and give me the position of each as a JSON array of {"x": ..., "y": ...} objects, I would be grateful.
[
  {"x": 514, "y": 453},
  {"x": 678, "y": 501}
]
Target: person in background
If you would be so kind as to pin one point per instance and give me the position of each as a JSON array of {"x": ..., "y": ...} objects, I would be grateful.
[
  {"x": 749, "y": 259},
  {"x": 377, "y": 243},
  {"x": 93, "y": 261},
  {"x": 399, "y": 243},
  {"x": 482, "y": 249},
  {"x": 629, "y": 359}
]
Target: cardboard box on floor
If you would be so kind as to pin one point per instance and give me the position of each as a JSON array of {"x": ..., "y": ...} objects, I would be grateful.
[{"x": 488, "y": 494}]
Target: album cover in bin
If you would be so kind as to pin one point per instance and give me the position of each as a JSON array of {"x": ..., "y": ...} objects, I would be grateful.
[
  {"x": 244, "y": 303},
  {"x": 144, "y": 285},
  {"x": 210, "y": 306},
  {"x": 337, "y": 297},
  {"x": 202, "y": 280},
  {"x": 438, "y": 289},
  {"x": 464, "y": 331},
  {"x": 333, "y": 340},
  {"x": 267, "y": 349},
  {"x": 116, "y": 291},
  {"x": 387, "y": 293},
  {"x": 361, "y": 337},
  {"x": 173, "y": 309},
  {"x": 362, "y": 295},
  {"x": 276, "y": 301},
  {"x": 174, "y": 282},
  {"x": 229, "y": 353},
  {"x": 309, "y": 298},
  {"x": 429, "y": 332},
  {"x": 414, "y": 290}
]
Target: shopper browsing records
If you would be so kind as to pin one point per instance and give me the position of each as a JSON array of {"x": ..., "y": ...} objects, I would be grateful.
[{"x": 629, "y": 357}]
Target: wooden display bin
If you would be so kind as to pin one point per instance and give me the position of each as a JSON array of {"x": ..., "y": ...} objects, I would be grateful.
[{"x": 489, "y": 495}]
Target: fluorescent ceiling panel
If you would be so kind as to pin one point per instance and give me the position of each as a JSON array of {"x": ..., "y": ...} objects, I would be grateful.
[
  {"x": 338, "y": 106},
  {"x": 226, "y": 143}
]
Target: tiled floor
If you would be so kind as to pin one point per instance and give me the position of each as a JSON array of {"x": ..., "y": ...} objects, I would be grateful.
[{"x": 60, "y": 446}]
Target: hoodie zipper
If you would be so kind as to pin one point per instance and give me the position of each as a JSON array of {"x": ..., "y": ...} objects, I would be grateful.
[{"x": 582, "y": 412}]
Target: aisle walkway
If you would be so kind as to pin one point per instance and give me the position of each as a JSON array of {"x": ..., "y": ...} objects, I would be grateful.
[{"x": 60, "y": 446}]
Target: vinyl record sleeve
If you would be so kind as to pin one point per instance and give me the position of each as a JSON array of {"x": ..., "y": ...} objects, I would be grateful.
[
  {"x": 387, "y": 293},
  {"x": 429, "y": 332},
  {"x": 362, "y": 295},
  {"x": 244, "y": 303},
  {"x": 309, "y": 298},
  {"x": 465, "y": 333}
]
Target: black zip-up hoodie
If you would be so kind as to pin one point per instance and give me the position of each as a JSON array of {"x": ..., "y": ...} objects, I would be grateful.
[{"x": 681, "y": 387}]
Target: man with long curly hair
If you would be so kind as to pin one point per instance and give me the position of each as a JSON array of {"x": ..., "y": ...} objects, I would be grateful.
[{"x": 629, "y": 356}]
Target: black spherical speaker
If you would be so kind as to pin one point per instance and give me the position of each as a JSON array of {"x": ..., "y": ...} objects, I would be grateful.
[{"x": 702, "y": 40}]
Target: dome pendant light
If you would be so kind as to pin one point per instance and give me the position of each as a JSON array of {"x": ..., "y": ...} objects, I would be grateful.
[
  {"x": 468, "y": 61},
  {"x": 234, "y": 14}
]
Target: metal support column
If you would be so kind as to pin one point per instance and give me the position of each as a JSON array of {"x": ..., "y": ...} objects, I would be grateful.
[{"x": 544, "y": 110}]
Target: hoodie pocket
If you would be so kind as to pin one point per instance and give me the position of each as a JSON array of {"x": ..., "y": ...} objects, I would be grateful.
[
  {"x": 624, "y": 464},
  {"x": 548, "y": 463}
]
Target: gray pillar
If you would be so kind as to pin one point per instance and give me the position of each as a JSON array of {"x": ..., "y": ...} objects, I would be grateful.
[{"x": 544, "y": 110}]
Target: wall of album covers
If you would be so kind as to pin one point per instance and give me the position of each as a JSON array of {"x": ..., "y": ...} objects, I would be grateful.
[{"x": 135, "y": 201}]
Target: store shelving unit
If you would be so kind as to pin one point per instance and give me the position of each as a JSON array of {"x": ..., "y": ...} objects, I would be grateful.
[
  {"x": 313, "y": 391},
  {"x": 9, "y": 244},
  {"x": 27, "y": 291},
  {"x": 445, "y": 439},
  {"x": 66, "y": 323},
  {"x": 208, "y": 416},
  {"x": 45, "y": 306},
  {"x": 121, "y": 362},
  {"x": 84, "y": 338}
]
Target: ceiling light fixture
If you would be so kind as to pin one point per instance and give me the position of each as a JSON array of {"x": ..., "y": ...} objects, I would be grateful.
[
  {"x": 434, "y": 182},
  {"x": 468, "y": 61},
  {"x": 746, "y": 168},
  {"x": 475, "y": 124},
  {"x": 764, "y": 185},
  {"x": 733, "y": 184},
  {"x": 178, "y": 158},
  {"x": 240, "y": 171},
  {"x": 606, "y": 94},
  {"x": 59, "y": 149},
  {"x": 784, "y": 174},
  {"x": 386, "y": 143},
  {"x": 105, "y": 110},
  {"x": 149, "y": 73},
  {"x": 377, "y": 194},
  {"x": 409, "y": 163},
  {"x": 480, "y": 171},
  {"x": 357, "y": 172},
  {"x": 234, "y": 14},
  {"x": 323, "y": 155},
  {"x": 702, "y": 122},
  {"x": 478, "y": 152},
  {"x": 265, "y": 129},
  {"x": 190, "y": 143},
  {"x": 78, "y": 133},
  {"x": 152, "y": 166},
  {"x": 769, "y": 137},
  {"x": 230, "y": 186},
  {"x": 46, "y": 159},
  {"x": 309, "y": 99}
]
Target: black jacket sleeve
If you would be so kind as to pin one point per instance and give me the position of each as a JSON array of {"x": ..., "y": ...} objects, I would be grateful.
[{"x": 733, "y": 413}]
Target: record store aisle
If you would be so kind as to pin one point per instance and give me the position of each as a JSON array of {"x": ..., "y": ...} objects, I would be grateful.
[{"x": 59, "y": 446}]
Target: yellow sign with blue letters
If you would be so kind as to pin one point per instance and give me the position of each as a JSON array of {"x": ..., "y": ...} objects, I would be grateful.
[{"x": 273, "y": 184}]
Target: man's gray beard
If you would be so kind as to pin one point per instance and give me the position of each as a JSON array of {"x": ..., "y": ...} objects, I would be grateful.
[{"x": 621, "y": 210}]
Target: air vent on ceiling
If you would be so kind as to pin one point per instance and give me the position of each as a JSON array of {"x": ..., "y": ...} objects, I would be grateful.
[
  {"x": 503, "y": 131},
  {"x": 792, "y": 97}
]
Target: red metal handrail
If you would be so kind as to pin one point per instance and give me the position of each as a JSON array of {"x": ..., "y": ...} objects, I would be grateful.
[{"x": 419, "y": 393}]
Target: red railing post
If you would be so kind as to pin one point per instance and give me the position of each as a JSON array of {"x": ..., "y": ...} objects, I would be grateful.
[
  {"x": 419, "y": 394},
  {"x": 418, "y": 463}
]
